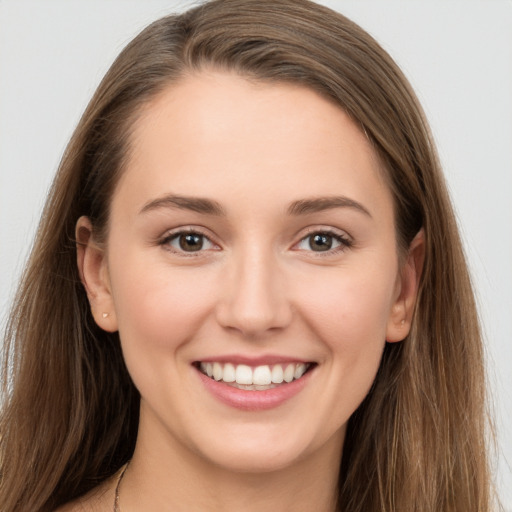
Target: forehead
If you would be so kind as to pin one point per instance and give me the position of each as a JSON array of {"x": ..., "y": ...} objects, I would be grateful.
[{"x": 221, "y": 134}]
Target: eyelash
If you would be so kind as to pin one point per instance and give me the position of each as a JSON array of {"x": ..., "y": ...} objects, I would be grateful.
[
  {"x": 343, "y": 241},
  {"x": 166, "y": 241}
]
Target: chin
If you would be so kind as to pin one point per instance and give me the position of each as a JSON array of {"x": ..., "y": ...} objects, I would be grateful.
[
  {"x": 261, "y": 449},
  {"x": 257, "y": 460}
]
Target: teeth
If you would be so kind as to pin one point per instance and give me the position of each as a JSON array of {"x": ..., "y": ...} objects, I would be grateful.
[
  {"x": 229, "y": 373},
  {"x": 299, "y": 371},
  {"x": 243, "y": 374},
  {"x": 260, "y": 377},
  {"x": 289, "y": 372},
  {"x": 217, "y": 371},
  {"x": 277, "y": 374}
]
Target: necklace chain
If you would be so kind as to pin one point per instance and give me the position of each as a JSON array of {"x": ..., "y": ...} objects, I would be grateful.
[{"x": 116, "y": 494}]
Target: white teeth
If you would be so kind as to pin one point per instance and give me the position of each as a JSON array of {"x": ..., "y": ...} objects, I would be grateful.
[
  {"x": 277, "y": 374},
  {"x": 299, "y": 371},
  {"x": 261, "y": 377},
  {"x": 243, "y": 374},
  {"x": 288, "y": 373},
  {"x": 217, "y": 371},
  {"x": 229, "y": 373}
]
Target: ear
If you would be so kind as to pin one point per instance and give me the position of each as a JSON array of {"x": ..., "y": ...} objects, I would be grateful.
[
  {"x": 93, "y": 270},
  {"x": 400, "y": 318}
]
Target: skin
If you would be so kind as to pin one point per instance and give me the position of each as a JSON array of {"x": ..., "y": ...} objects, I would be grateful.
[{"x": 259, "y": 286}]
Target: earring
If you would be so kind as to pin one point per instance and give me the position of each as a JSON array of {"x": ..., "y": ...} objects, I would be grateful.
[
  {"x": 402, "y": 323},
  {"x": 104, "y": 315}
]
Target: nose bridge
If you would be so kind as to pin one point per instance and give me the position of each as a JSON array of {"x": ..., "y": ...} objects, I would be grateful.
[{"x": 255, "y": 299}]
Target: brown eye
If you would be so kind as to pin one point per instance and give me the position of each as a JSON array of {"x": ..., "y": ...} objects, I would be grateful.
[
  {"x": 189, "y": 242},
  {"x": 320, "y": 242},
  {"x": 324, "y": 241}
]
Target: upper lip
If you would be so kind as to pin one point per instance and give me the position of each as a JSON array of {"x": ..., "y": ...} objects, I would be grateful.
[{"x": 268, "y": 359}]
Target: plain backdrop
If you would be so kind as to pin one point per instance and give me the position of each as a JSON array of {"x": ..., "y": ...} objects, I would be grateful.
[{"x": 456, "y": 53}]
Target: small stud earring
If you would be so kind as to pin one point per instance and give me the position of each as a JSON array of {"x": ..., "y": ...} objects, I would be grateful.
[
  {"x": 104, "y": 315},
  {"x": 402, "y": 323}
]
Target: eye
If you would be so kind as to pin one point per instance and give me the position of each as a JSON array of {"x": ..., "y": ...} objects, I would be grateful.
[
  {"x": 188, "y": 242},
  {"x": 323, "y": 241}
]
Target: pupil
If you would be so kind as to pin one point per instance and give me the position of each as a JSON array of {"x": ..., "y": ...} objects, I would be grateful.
[
  {"x": 321, "y": 242},
  {"x": 191, "y": 242}
]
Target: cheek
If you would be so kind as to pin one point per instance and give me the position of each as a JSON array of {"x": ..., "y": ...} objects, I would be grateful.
[
  {"x": 350, "y": 309},
  {"x": 349, "y": 314},
  {"x": 158, "y": 308}
]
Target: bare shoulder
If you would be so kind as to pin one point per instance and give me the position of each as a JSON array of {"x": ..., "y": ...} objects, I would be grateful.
[{"x": 99, "y": 499}]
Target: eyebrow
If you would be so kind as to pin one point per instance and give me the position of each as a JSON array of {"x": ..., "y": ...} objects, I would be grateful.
[
  {"x": 195, "y": 204},
  {"x": 319, "y": 204},
  {"x": 210, "y": 207}
]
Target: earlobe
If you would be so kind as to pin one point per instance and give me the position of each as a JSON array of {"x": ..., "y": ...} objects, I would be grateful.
[
  {"x": 400, "y": 318},
  {"x": 93, "y": 271}
]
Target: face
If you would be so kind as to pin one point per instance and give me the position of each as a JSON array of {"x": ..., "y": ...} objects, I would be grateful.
[{"x": 251, "y": 269}]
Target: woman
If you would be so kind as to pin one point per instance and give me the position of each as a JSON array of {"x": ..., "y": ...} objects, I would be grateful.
[{"x": 248, "y": 289}]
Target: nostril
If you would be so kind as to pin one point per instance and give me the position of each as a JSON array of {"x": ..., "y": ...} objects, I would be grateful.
[
  {"x": 252, "y": 317},
  {"x": 253, "y": 298}
]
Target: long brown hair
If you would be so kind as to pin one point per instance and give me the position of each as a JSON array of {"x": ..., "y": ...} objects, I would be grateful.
[{"x": 70, "y": 415}]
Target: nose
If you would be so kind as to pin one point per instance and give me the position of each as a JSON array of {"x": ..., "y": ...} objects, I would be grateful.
[{"x": 254, "y": 299}]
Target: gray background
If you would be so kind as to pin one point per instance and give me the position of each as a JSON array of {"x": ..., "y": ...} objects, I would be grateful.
[{"x": 457, "y": 54}]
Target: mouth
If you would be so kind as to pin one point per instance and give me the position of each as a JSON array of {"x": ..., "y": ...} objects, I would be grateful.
[{"x": 254, "y": 378}]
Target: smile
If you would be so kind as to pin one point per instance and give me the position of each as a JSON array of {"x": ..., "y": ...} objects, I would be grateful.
[{"x": 258, "y": 378}]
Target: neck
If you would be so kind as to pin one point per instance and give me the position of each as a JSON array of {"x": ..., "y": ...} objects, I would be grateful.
[{"x": 166, "y": 476}]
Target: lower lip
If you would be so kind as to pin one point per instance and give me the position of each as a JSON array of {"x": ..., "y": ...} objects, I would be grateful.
[{"x": 251, "y": 400}]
